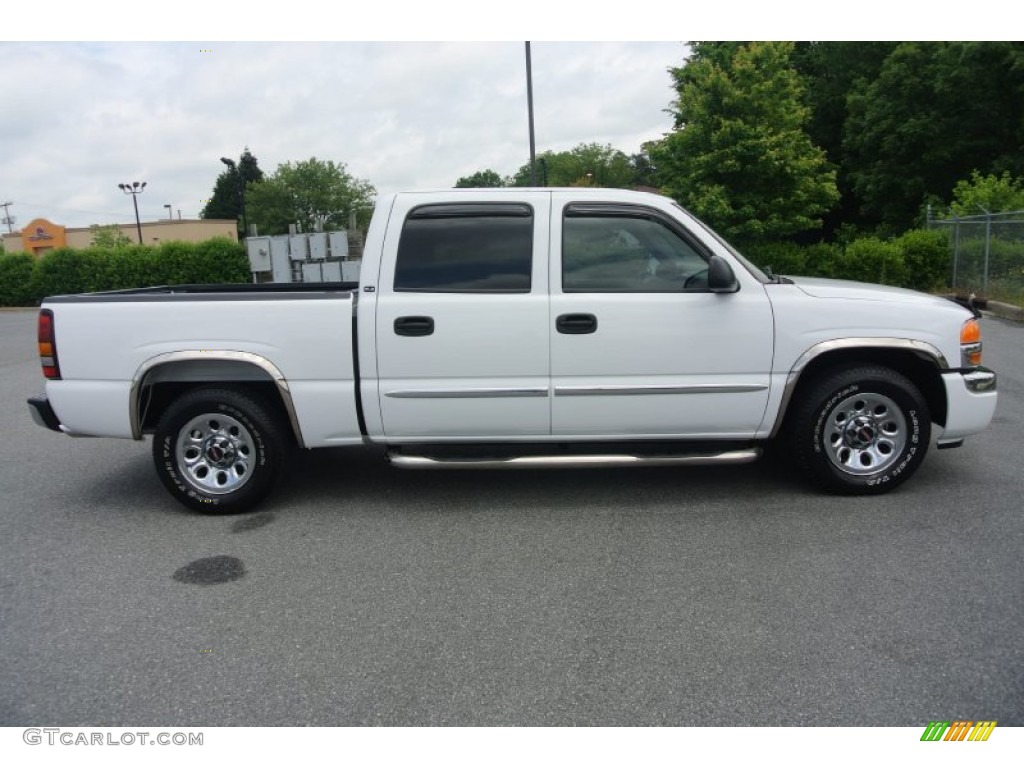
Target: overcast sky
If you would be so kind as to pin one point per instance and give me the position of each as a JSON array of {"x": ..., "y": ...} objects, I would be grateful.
[{"x": 78, "y": 118}]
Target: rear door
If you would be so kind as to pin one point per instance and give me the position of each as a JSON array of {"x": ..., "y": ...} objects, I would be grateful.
[{"x": 463, "y": 349}]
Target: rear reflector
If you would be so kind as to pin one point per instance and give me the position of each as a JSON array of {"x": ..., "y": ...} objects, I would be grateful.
[{"x": 48, "y": 345}]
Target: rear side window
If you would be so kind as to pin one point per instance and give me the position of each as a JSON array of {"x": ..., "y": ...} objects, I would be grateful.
[{"x": 477, "y": 248}]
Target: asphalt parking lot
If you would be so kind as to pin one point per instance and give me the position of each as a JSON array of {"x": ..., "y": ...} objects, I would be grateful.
[{"x": 364, "y": 595}]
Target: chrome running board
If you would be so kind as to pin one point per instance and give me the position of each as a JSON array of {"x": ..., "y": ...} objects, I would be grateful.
[{"x": 597, "y": 461}]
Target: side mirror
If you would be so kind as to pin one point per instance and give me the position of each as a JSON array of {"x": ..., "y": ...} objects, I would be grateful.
[{"x": 720, "y": 276}]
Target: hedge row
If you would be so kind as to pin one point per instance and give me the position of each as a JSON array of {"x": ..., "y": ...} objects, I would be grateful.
[
  {"x": 918, "y": 259},
  {"x": 26, "y": 280}
]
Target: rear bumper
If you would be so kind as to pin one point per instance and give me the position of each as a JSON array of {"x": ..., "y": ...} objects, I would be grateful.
[
  {"x": 971, "y": 399},
  {"x": 42, "y": 413}
]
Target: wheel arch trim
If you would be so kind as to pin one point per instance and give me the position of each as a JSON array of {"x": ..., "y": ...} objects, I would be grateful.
[
  {"x": 214, "y": 355},
  {"x": 920, "y": 348}
]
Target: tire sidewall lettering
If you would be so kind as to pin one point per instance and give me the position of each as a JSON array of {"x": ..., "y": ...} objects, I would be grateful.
[
  {"x": 824, "y": 412},
  {"x": 813, "y": 439},
  {"x": 265, "y": 463}
]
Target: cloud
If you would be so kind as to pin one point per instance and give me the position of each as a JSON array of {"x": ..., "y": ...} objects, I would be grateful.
[{"x": 79, "y": 118}]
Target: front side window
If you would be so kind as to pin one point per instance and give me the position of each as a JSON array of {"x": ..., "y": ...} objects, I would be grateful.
[
  {"x": 617, "y": 252},
  {"x": 477, "y": 248}
]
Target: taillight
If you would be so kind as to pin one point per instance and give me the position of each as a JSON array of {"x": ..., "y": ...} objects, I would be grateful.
[
  {"x": 970, "y": 344},
  {"x": 48, "y": 345}
]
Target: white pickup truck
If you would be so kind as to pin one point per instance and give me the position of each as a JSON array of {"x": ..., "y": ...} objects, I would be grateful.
[{"x": 520, "y": 327}]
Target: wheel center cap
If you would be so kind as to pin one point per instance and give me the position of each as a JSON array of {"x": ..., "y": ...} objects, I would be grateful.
[
  {"x": 860, "y": 432},
  {"x": 219, "y": 451}
]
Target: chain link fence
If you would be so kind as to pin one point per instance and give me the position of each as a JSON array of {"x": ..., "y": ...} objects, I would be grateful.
[{"x": 987, "y": 254}]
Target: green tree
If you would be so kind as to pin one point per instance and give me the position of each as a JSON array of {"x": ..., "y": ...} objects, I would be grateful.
[
  {"x": 598, "y": 165},
  {"x": 487, "y": 178},
  {"x": 936, "y": 112},
  {"x": 832, "y": 71},
  {"x": 740, "y": 155},
  {"x": 643, "y": 169},
  {"x": 310, "y": 193},
  {"x": 992, "y": 193},
  {"x": 109, "y": 236},
  {"x": 225, "y": 202}
]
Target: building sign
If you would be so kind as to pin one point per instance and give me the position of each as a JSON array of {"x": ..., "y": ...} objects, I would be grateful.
[{"x": 41, "y": 235}]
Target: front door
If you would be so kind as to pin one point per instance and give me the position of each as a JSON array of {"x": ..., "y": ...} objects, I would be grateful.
[{"x": 639, "y": 346}]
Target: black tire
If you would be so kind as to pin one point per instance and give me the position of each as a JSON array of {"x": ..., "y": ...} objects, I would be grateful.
[
  {"x": 219, "y": 451},
  {"x": 860, "y": 430}
]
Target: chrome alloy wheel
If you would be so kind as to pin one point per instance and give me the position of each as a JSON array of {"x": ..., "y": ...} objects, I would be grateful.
[
  {"x": 215, "y": 453},
  {"x": 865, "y": 433}
]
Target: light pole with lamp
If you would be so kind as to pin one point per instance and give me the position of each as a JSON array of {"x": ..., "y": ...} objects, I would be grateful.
[
  {"x": 134, "y": 189},
  {"x": 241, "y": 192}
]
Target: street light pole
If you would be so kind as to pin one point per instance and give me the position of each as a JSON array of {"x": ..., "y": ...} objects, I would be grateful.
[{"x": 134, "y": 189}]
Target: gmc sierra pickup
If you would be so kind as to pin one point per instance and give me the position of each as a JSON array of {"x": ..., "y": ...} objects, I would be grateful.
[{"x": 520, "y": 327}]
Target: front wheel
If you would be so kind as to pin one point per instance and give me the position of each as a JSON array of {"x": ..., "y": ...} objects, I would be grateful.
[
  {"x": 219, "y": 451},
  {"x": 860, "y": 430}
]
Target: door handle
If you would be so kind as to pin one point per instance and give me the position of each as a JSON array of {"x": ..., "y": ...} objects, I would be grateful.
[
  {"x": 576, "y": 323},
  {"x": 414, "y": 325}
]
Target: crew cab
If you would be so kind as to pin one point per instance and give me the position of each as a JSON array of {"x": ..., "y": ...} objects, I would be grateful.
[{"x": 520, "y": 327}]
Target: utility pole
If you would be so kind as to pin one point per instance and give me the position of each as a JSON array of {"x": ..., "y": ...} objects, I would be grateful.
[
  {"x": 529, "y": 106},
  {"x": 7, "y": 217}
]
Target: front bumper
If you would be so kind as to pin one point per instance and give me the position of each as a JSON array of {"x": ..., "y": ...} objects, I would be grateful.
[
  {"x": 42, "y": 413},
  {"x": 971, "y": 402}
]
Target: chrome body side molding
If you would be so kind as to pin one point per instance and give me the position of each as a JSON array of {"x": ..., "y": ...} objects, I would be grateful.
[
  {"x": 473, "y": 392},
  {"x": 658, "y": 389}
]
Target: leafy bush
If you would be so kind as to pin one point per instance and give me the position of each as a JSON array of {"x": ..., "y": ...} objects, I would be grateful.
[
  {"x": 993, "y": 193},
  {"x": 927, "y": 258},
  {"x": 782, "y": 258},
  {"x": 822, "y": 258},
  {"x": 25, "y": 279},
  {"x": 16, "y": 280},
  {"x": 871, "y": 260}
]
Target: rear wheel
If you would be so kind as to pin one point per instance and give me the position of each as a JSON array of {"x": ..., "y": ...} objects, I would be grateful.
[
  {"x": 860, "y": 430},
  {"x": 219, "y": 451}
]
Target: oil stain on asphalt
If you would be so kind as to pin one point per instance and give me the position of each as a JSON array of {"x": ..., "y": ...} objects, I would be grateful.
[
  {"x": 252, "y": 523},
  {"x": 211, "y": 570}
]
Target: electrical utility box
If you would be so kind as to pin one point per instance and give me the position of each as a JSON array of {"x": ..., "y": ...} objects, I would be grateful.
[
  {"x": 318, "y": 245},
  {"x": 299, "y": 245},
  {"x": 350, "y": 270},
  {"x": 332, "y": 271},
  {"x": 339, "y": 244},
  {"x": 258, "y": 250},
  {"x": 280, "y": 259},
  {"x": 308, "y": 257},
  {"x": 311, "y": 272}
]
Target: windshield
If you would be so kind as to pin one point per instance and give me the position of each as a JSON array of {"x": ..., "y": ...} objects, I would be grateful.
[{"x": 751, "y": 268}]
